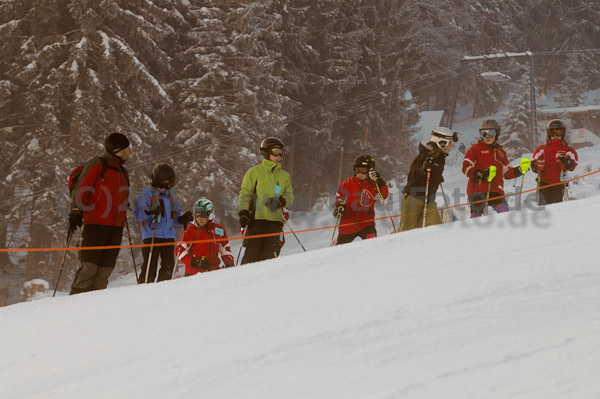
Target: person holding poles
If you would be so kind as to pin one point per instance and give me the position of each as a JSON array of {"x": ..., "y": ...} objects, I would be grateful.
[
  {"x": 486, "y": 165},
  {"x": 158, "y": 212},
  {"x": 551, "y": 161},
  {"x": 266, "y": 189},
  {"x": 355, "y": 201},
  {"x": 99, "y": 202},
  {"x": 204, "y": 241},
  {"x": 424, "y": 178}
]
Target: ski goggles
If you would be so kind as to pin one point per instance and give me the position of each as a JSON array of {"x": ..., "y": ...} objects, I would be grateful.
[
  {"x": 203, "y": 215},
  {"x": 277, "y": 152},
  {"x": 555, "y": 132},
  {"x": 488, "y": 133},
  {"x": 361, "y": 171}
]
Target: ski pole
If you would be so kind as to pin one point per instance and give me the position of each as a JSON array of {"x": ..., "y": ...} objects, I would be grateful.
[
  {"x": 151, "y": 249},
  {"x": 386, "y": 208},
  {"x": 241, "y": 245},
  {"x": 489, "y": 179},
  {"x": 132, "y": 255},
  {"x": 290, "y": 227},
  {"x": 426, "y": 197},
  {"x": 177, "y": 258},
  {"x": 337, "y": 222},
  {"x": 524, "y": 166},
  {"x": 62, "y": 264},
  {"x": 448, "y": 209}
]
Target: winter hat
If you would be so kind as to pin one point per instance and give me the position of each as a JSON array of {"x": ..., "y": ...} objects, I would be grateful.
[{"x": 115, "y": 142}]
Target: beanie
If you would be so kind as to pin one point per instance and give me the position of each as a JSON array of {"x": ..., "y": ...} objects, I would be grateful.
[{"x": 115, "y": 142}]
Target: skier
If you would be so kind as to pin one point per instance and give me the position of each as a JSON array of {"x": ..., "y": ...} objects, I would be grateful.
[
  {"x": 476, "y": 166},
  {"x": 158, "y": 211},
  {"x": 355, "y": 201},
  {"x": 425, "y": 176},
  {"x": 551, "y": 161},
  {"x": 97, "y": 203},
  {"x": 462, "y": 148},
  {"x": 266, "y": 189},
  {"x": 204, "y": 241}
]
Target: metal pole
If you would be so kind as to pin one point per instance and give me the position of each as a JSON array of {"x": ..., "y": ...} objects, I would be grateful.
[
  {"x": 532, "y": 101},
  {"x": 460, "y": 73}
]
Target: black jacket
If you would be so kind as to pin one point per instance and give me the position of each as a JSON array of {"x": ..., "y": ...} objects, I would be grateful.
[{"x": 417, "y": 176}]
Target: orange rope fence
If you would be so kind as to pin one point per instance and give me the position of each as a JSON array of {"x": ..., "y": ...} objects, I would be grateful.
[{"x": 285, "y": 233}]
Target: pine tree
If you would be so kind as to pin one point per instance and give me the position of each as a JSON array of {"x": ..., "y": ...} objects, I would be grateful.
[
  {"x": 574, "y": 82},
  {"x": 516, "y": 127}
]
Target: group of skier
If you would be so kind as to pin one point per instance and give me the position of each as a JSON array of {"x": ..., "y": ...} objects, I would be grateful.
[{"x": 100, "y": 192}]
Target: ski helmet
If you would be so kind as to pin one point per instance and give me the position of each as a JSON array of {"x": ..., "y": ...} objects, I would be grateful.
[
  {"x": 267, "y": 144},
  {"x": 556, "y": 124},
  {"x": 364, "y": 161},
  {"x": 163, "y": 176},
  {"x": 442, "y": 136},
  {"x": 204, "y": 207},
  {"x": 490, "y": 124}
]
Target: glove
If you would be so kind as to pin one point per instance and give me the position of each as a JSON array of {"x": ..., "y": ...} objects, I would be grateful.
[
  {"x": 429, "y": 163},
  {"x": 565, "y": 160},
  {"x": 244, "y": 218},
  {"x": 275, "y": 202},
  {"x": 339, "y": 210},
  {"x": 517, "y": 171},
  {"x": 75, "y": 219},
  {"x": 186, "y": 218},
  {"x": 481, "y": 174},
  {"x": 534, "y": 166},
  {"x": 158, "y": 211},
  {"x": 373, "y": 175},
  {"x": 202, "y": 263},
  {"x": 376, "y": 177}
]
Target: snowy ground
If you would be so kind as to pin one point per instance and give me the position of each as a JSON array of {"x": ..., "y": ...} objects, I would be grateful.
[{"x": 506, "y": 306}]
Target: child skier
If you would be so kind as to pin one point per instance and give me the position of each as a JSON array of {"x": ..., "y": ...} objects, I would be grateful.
[
  {"x": 204, "y": 241},
  {"x": 551, "y": 161},
  {"x": 425, "y": 176},
  {"x": 355, "y": 201},
  {"x": 477, "y": 165},
  {"x": 158, "y": 211}
]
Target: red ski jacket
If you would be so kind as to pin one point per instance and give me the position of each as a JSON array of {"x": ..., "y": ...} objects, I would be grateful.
[
  {"x": 211, "y": 249},
  {"x": 359, "y": 196},
  {"x": 549, "y": 166},
  {"x": 103, "y": 199},
  {"x": 481, "y": 156}
]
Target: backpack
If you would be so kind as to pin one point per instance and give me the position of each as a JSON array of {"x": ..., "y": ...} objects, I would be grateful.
[{"x": 76, "y": 174}]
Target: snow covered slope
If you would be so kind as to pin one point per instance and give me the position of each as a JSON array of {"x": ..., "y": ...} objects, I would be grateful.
[{"x": 506, "y": 306}]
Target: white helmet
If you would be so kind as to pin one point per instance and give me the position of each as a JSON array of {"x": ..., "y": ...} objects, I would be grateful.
[{"x": 442, "y": 136}]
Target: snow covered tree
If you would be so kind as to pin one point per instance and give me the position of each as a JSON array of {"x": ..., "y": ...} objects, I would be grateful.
[
  {"x": 77, "y": 70},
  {"x": 516, "y": 127},
  {"x": 574, "y": 82},
  {"x": 225, "y": 100}
]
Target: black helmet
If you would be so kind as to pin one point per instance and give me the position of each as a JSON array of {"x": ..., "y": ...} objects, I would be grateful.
[
  {"x": 268, "y": 143},
  {"x": 556, "y": 124},
  {"x": 365, "y": 161},
  {"x": 163, "y": 176}
]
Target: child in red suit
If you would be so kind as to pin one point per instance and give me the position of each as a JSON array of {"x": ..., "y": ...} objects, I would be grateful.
[
  {"x": 203, "y": 242},
  {"x": 355, "y": 201},
  {"x": 551, "y": 161}
]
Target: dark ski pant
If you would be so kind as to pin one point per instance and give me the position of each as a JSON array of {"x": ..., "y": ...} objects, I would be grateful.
[
  {"x": 551, "y": 195},
  {"x": 411, "y": 211},
  {"x": 262, "y": 248},
  {"x": 367, "y": 232},
  {"x": 499, "y": 204},
  {"x": 96, "y": 264},
  {"x": 167, "y": 260}
]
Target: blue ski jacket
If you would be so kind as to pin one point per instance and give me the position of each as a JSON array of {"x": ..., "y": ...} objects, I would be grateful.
[{"x": 148, "y": 200}]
